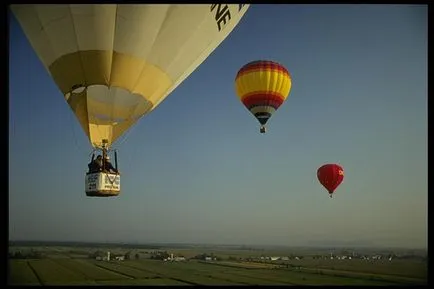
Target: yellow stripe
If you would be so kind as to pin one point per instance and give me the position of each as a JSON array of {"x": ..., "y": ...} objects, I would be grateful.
[
  {"x": 100, "y": 67},
  {"x": 263, "y": 81},
  {"x": 259, "y": 69},
  {"x": 78, "y": 104},
  {"x": 110, "y": 68}
]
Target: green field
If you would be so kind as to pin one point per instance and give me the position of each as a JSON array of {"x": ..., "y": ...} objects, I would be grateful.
[
  {"x": 20, "y": 273},
  {"x": 404, "y": 268},
  {"x": 88, "y": 270},
  {"x": 66, "y": 266}
]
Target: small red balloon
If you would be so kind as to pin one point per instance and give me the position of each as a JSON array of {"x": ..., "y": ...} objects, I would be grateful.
[{"x": 330, "y": 176}]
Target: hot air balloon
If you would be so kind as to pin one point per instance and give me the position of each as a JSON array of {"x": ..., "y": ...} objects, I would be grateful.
[
  {"x": 330, "y": 176},
  {"x": 262, "y": 87},
  {"x": 115, "y": 63}
]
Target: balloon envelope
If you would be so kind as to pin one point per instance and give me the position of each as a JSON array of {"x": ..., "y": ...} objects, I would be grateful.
[
  {"x": 114, "y": 63},
  {"x": 330, "y": 176},
  {"x": 262, "y": 86}
]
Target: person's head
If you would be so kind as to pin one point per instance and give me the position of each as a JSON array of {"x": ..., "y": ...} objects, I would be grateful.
[
  {"x": 99, "y": 157},
  {"x": 107, "y": 158}
]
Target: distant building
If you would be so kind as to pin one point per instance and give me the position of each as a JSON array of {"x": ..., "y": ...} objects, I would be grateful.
[{"x": 104, "y": 258}]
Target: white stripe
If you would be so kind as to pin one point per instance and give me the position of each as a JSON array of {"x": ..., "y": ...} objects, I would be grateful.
[{"x": 257, "y": 109}]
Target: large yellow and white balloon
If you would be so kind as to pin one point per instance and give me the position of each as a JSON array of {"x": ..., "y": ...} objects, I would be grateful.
[{"x": 115, "y": 63}]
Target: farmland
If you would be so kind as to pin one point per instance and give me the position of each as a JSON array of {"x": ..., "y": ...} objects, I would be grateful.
[{"x": 66, "y": 265}]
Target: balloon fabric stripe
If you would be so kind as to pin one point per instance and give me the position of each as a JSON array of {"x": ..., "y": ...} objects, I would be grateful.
[
  {"x": 263, "y": 117},
  {"x": 262, "y": 99},
  {"x": 263, "y": 66},
  {"x": 247, "y": 71}
]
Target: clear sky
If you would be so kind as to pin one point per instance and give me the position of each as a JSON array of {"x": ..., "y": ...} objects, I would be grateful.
[{"x": 197, "y": 169}]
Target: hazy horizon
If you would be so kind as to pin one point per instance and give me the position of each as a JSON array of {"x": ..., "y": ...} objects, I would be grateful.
[
  {"x": 197, "y": 169},
  {"x": 239, "y": 246}
]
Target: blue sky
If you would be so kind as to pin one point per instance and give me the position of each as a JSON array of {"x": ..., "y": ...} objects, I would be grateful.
[{"x": 197, "y": 169}]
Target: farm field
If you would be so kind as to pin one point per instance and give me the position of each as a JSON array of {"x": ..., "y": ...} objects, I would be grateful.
[
  {"x": 404, "y": 268},
  {"x": 69, "y": 271},
  {"x": 79, "y": 265}
]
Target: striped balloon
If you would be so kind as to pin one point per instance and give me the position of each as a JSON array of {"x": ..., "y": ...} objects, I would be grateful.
[{"x": 262, "y": 87}]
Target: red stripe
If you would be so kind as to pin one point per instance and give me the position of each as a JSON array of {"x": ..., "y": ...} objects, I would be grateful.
[
  {"x": 264, "y": 67},
  {"x": 263, "y": 93},
  {"x": 261, "y": 66},
  {"x": 263, "y": 99},
  {"x": 264, "y": 64}
]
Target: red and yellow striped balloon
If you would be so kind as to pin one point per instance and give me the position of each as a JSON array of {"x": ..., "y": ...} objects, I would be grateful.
[{"x": 262, "y": 87}]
